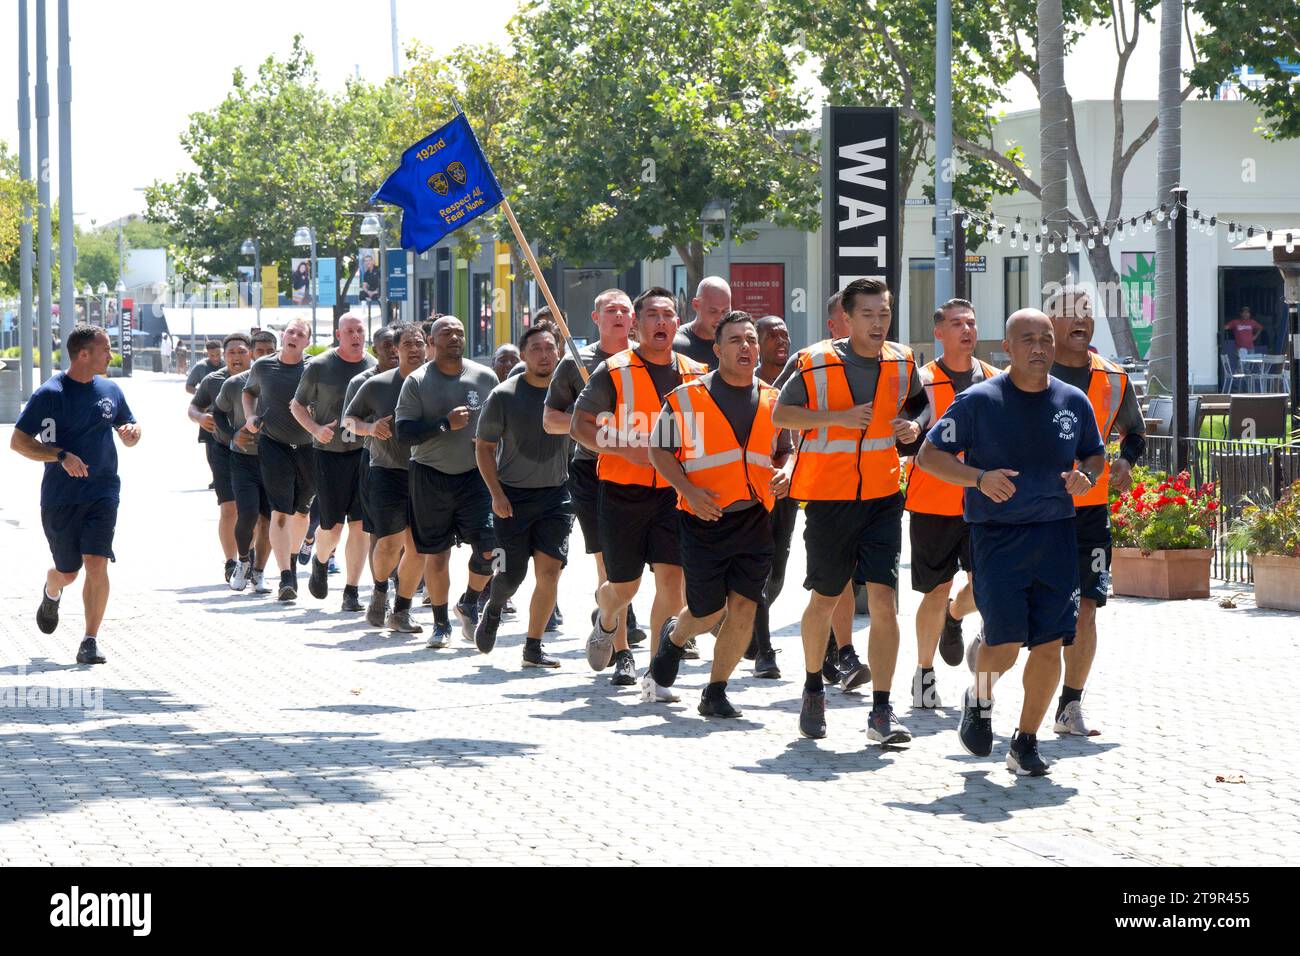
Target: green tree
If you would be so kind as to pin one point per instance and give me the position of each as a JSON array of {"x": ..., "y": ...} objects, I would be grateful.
[
  {"x": 1264, "y": 35},
  {"x": 13, "y": 193},
  {"x": 637, "y": 114}
]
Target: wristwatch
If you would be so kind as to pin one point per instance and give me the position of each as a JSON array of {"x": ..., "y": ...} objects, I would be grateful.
[
  {"x": 1092, "y": 479},
  {"x": 62, "y": 455}
]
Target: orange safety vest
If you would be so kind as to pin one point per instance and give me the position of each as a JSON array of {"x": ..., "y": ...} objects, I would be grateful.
[
  {"x": 850, "y": 464},
  {"x": 927, "y": 494},
  {"x": 636, "y": 406},
  {"x": 1106, "y": 393},
  {"x": 712, "y": 456}
]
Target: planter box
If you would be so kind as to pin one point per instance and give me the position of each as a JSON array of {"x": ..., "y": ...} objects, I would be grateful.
[
  {"x": 1277, "y": 581},
  {"x": 1167, "y": 575}
]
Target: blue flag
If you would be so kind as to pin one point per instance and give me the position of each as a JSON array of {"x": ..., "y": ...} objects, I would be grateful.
[{"x": 443, "y": 183}]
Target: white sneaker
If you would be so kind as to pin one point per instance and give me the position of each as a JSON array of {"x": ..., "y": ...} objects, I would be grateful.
[
  {"x": 259, "y": 584},
  {"x": 652, "y": 693},
  {"x": 1071, "y": 722},
  {"x": 239, "y": 580}
]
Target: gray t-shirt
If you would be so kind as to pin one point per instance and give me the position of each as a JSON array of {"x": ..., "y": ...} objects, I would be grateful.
[
  {"x": 1128, "y": 421},
  {"x": 322, "y": 389},
  {"x": 526, "y": 456},
  {"x": 194, "y": 379},
  {"x": 692, "y": 346},
  {"x": 273, "y": 383},
  {"x": 863, "y": 375},
  {"x": 371, "y": 396},
  {"x": 428, "y": 395},
  {"x": 206, "y": 394},
  {"x": 566, "y": 385},
  {"x": 230, "y": 402},
  {"x": 739, "y": 405}
]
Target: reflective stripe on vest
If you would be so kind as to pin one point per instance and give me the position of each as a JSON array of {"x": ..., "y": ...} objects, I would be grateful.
[
  {"x": 1106, "y": 387},
  {"x": 850, "y": 464},
  {"x": 642, "y": 405},
  {"x": 927, "y": 494},
  {"x": 710, "y": 453}
]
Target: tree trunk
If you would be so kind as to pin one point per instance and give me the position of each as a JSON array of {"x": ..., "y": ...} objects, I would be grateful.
[
  {"x": 692, "y": 255},
  {"x": 1161, "y": 375},
  {"x": 1052, "y": 107},
  {"x": 1109, "y": 301}
]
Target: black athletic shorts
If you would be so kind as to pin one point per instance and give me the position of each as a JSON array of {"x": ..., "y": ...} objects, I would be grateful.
[
  {"x": 246, "y": 482},
  {"x": 1092, "y": 524},
  {"x": 363, "y": 489},
  {"x": 219, "y": 462},
  {"x": 940, "y": 544},
  {"x": 447, "y": 510},
  {"x": 732, "y": 554},
  {"x": 583, "y": 490},
  {"x": 840, "y": 536},
  {"x": 542, "y": 520},
  {"x": 75, "y": 530},
  {"x": 1026, "y": 582},
  {"x": 637, "y": 526},
  {"x": 388, "y": 500},
  {"x": 288, "y": 475},
  {"x": 338, "y": 487}
]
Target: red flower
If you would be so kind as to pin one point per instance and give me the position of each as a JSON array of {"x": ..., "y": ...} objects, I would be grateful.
[
  {"x": 1180, "y": 501},
  {"x": 1114, "y": 508},
  {"x": 1212, "y": 506},
  {"x": 1139, "y": 490},
  {"x": 1163, "y": 500}
]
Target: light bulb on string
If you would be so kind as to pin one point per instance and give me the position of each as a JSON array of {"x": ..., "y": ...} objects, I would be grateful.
[
  {"x": 1146, "y": 223},
  {"x": 1290, "y": 243},
  {"x": 1092, "y": 243},
  {"x": 1105, "y": 238},
  {"x": 1013, "y": 239},
  {"x": 1038, "y": 245},
  {"x": 979, "y": 228},
  {"x": 1051, "y": 246},
  {"x": 1173, "y": 213},
  {"x": 1160, "y": 215},
  {"x": 1042, "y": 227}
]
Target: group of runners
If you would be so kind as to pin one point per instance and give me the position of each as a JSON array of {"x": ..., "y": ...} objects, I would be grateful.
[{"x": 686, "y": 453}]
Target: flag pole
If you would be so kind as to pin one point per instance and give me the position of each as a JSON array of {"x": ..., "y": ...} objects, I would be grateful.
[{"x": 546, "y": 289}]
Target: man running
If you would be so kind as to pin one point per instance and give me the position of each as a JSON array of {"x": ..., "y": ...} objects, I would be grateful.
[
  {"x": 369, "y": 412},
  {"x": 715, "y": 443},
  {"x": 317, "y": 406},
  {"x": 209, "y": 364},
  {"x": 939, "y": 535},
  {"x": 505, "y": 359},
  {"x": 216, "y": 447},
  {"x": 636, "y": 508},
  {"x": 284, "y": 449},
  {"x": 252, "y": 508},
  {"x": 841, "y": 665},
  {"x": 526, "y": 470},
  {"x": 68, "y": 424},
  {"x": 1022, "y": 434},
  {"x": 1115, "y": 407},
  {"x": 612, "y": 317},
  {"x": 848, "y": 398},
  {"x": 384, "y": 347},
  {"x": 695, "y": 339},
  {"x": 437, "y": 414}
]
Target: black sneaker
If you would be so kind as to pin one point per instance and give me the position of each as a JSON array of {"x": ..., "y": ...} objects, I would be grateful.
[
  {"x": 318, "y": 584},
  {"x": 717, "y": 707},
  {"x": 765, "y": 665},
  {"x": 976, "y": 730},
  {"x": 377, "y": 612},
  {"x": 554, "y": 621},
  {"x": 925, "y": 695},
  {"x": 537, "y": 658},
  {"x": 883, "y": 728},
  {"x": 853, "y": 673},
  {"x": 812, "y": 715},
  {"x": 690, "y": 651},
  {"x": 669, "y": 652},
  {"x": 47, "y": 615},
  {"x": 304, "y": 552},
  {"x": 1023, "y": 756},
  {"x": 467, "y": 614},
  {"x": 951, "y": 646},
  {"x": 288, "y": 589},
  {"x": 230, "y": 569},
  {"x": 831, "y": 664},
  {"x": 624, "y": 669},
  {"x": 635, "y": 633},
  {"x": 485, "y": 634},
  {"x": 351, "y": 601},
  {"x": 88, "y": 653}
]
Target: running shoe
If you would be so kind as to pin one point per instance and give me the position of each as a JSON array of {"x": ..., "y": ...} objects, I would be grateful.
[
  {"x": 401, "y": 622},
  {"x": 951, "y": 645},
  {"x": 976, "y": 730},
  {"x": 853, "y": 673},
  {"x": 538, "y": 658},
  {"x": 441, "y": 636},
  {"x": 239, "y": 580},
  {"x": 259, "y": 583},
  {"x": 925, "y": 697},
  {"x": 624, "y": 669},
  {"x": 47, "y": 615},
  {"x": 812, "y": 715},
  {"x": 883, "y": 728},
  {"x": 1023, "y": 757},
  {"x": 600, "y": 647},
  {"x": 318, "y": 584},
  {"x": 652, "y": 693},
  {"x": 1070, "y": 721},
  {"x": 88, "y": 653},
  {"x": 304, "y": 553},
  {"x": 717, "y": 707},
  {"x": 467, "y": 614},
  {"x": 351, "y": 601},
  {"x": 377, "y": 611},
  {"x": 485, "y": 634},
  {"x": 765, "y": 665}
]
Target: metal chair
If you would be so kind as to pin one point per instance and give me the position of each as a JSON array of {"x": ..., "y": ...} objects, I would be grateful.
[
  {"x": 1231, "y": 378},
  {"x": 1161, "y": 408},
  {"x": 1272, "y": 376},
  {"x": 1257, "y": 416}
]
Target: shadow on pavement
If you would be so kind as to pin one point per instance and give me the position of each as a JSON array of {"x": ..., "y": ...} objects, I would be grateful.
[
  {"x": 984, "y": 801},
  {"x": 806, "y": 760}
]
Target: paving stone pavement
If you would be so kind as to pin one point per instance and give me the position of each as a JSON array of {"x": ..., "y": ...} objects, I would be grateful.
[{"x": 226, "y": 729}]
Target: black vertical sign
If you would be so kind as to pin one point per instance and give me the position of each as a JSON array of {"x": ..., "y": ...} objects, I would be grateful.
[{"x": 860, "y": 214}]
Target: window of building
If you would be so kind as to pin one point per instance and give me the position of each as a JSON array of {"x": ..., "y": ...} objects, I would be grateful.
[
  {"x": 1015, "y": 283},
  {"x": 920, "y": 301}
]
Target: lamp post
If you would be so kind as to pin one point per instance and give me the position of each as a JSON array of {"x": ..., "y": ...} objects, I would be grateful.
[
  {"x": 375, "y": 224},
  {"x": 306, "y": 236},
  {"x": 102, "y": 293},
  {"x": 718, "y": 212},
  {"x": 250, "y": 247}
]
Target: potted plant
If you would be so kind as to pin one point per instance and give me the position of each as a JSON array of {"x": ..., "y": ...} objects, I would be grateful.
[
  {"x": 1162, "y": 532},
  {"x": 1270, "y": 536}
]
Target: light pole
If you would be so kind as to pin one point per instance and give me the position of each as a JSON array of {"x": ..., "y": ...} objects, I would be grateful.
[
  {"x": 306, "y": 236},
  {"x": 25, "y": 230},
  {"x": 251, "y": 248},
  {"x": 102, "y": 292},
  {"x": 719, "y": 212},
  {"x": 67, "y": 249},
  {"x": 89, "y": 293}
]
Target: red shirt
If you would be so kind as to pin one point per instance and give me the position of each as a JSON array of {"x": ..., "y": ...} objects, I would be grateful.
[{"x": 1244, "y": 332}]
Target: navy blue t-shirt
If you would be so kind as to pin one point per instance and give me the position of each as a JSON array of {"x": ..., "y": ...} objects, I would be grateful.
[
  {"x": 1039, "y": 434},
  {"x": 78, "y": 417}
]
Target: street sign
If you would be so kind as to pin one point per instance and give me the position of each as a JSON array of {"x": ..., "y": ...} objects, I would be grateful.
[
  {"x": 976, "y": 264},
  {"x": 396, "y": 275}
]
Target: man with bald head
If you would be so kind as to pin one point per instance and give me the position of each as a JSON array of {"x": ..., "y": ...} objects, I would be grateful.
[
  {"x": 695, "y": 339},
  {"x": 318, "y": 407},
  {"x": 1030, "y": 442}
]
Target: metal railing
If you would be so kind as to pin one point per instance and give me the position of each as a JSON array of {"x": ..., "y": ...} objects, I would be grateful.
[{"x": 1243, "y": 471}]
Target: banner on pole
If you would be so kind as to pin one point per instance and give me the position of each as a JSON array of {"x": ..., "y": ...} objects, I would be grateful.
[
  {"x": 444, "y": 182},
  {"x": 326, "y": 281},
  {"x": 270, "y": 286},
  {"x": 396, "y": 275}
]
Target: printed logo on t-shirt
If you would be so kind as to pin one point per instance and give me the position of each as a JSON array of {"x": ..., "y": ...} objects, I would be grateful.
[
  {"x": 472, "y": 398},
  {"x": 1068, "y": 423},
  {"x": 106, "y": 408}
]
